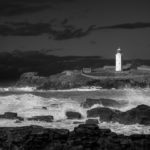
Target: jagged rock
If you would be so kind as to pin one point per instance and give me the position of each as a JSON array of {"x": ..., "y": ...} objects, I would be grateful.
[
  {"x": 42, "y": 118},
  {"x": 86, "y": 129},
  {"x": 78, "y": 122},
  {"x": 45, "y": 108},
  {"x": 84, "y": 137},
  {"x": 105, "y": 114},
  {"x": 74, "y": 79},
  {"x": 31, "y": 79},
  {"x": 18, "y": 121},
  {"x": 73, "y": 115},
  {"x": 105, "y": 102},
  {"x": 92, "y": 121},
  {"x": 140, "y": 114},
  {"x": 10, "y": 115}
]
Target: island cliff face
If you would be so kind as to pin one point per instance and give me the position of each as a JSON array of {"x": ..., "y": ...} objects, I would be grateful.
[
  {"x": 83, "y": 137},
  {"x": 76, "y": 79},
  {"x": 64, "y": 80}
]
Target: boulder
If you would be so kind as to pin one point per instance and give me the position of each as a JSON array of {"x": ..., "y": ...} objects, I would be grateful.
[
  {"x": 92, "y": 121},
  {"x": 45, "y": 108},
  {"x": 105, "y": 102},
  {"x": 105, "y": 114},
  {"x": 11, "y": 115},
  {"x": 87, "y": 129},
  {"x": 78, "y": 122},
  {"x": 41, "y": 118},
  {"x": 73, "y": 115},
  {"x": 18, "y": 121},
  {"x": 140, "y": 114}
]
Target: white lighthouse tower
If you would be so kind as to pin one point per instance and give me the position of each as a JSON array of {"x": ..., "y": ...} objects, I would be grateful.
[{"x": 119, "y": 60}]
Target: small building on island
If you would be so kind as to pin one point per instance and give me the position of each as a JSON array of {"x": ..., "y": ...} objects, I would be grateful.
[
  {"x": 86, "y": 70},
  {"x": 68, "y": 72}
]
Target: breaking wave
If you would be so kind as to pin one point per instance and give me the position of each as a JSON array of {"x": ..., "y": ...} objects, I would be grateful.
[
  {"x": 29, "y": 104},
  {"x": 135, "y": 97},
  {"x": 32, "y": 89},
  {"x": 13, "y": 89}
]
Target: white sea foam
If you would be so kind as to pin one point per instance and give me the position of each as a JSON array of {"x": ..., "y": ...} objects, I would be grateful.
[
  {"x": 28, "y": 105},
  {"x": 126, "y": 129},
  {"x": 32, "y": 89},
  {"x": 13, "y": 89},
  {"x": 86, "y": 88},
  {"x": 135, "y": 98}
]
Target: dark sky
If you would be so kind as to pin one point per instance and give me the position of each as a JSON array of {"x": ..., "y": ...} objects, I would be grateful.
[{"x": 76, "y": 27}]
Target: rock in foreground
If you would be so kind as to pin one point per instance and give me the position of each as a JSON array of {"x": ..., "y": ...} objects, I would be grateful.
[
  {"x": 84, "y": 137},
  {"x": 92, "y": 121}
]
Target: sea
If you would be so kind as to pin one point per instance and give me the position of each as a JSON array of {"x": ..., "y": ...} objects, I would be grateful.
[{"x": 28, "y": 102}]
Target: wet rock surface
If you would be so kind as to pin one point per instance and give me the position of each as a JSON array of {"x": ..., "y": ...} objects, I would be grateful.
[
  {"x": 105, "y": 102},
  {"x": 42, "y": 118},
  {"x": 92, "y": 121},
  {"x": 140, "y": 114},
  {"x": 10, "y": 115},
  {"x": 73, "y": 115},
  {"x": 84, "y": 137},
  {"x": 105, "y": 114}
]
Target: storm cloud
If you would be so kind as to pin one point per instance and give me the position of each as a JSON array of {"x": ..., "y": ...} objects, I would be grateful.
[
  {"x": 64, "y": 32},
  {"x": 29, "y": 29},
  {"x": 14, "y": 63},
  {"x": 128, "y": 26},
  {"x": 19, "y": 7}
]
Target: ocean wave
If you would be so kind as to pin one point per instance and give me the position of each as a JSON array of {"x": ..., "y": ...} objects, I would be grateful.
[
  {"x": 33, "y": 89},
  {"x": 28, "y": 105},
  {"x": 87, "y": 88},
  {"x": 68, "y": 124},
  {"x": 15, "y": 89}
]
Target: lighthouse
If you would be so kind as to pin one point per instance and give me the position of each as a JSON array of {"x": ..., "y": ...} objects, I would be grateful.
[{"x": 119, "y": 60}]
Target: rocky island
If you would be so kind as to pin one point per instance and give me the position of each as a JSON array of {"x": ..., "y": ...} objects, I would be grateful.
[{"x": 76, "y": 78}]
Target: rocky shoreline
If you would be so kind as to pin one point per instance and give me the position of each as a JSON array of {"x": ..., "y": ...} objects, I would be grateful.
[
  {"x": 83, "y": 137},
  {"x": 138, "y": 115},
  {"x": 75, "y": 79}
]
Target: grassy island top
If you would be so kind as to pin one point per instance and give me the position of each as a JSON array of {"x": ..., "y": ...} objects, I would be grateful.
[{"x": 108, "y": 73}]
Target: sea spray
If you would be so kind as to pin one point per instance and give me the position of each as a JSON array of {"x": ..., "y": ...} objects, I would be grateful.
[
  {"x": 52, "y": 103},
  {"x": 15, "y": 89},
  {"x": 28, "y": 105},
  {"x": 135, "y": 97},
  {"x": 20, "y": 103}
]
